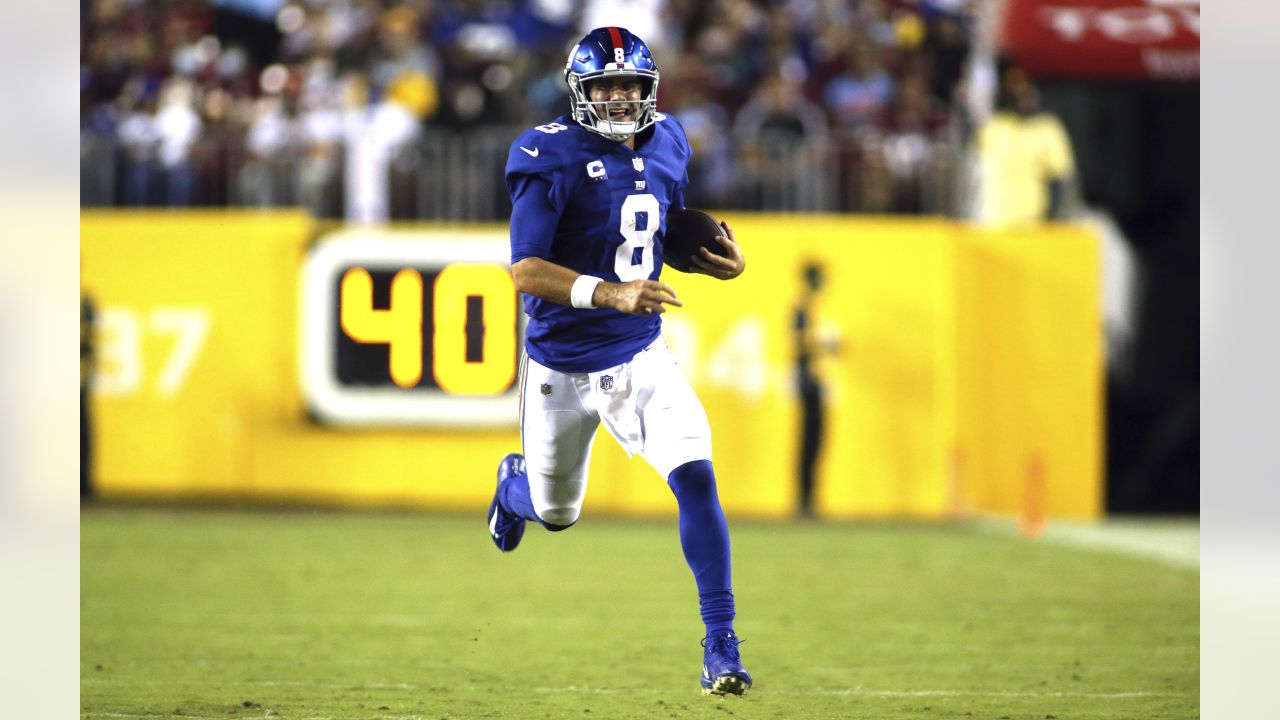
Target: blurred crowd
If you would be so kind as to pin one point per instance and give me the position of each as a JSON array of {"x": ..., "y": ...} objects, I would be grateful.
[{"x": 322, "y": 103}]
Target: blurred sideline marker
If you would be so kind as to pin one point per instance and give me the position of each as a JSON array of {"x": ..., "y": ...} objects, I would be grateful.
[
  {"x": 1031, "y": 522},
  {"x": 955, "y": 483}
]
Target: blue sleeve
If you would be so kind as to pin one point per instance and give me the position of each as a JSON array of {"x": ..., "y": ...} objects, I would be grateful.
[
  {"x": 533, "y": 217},
  {"x": 535, "y": 176}
]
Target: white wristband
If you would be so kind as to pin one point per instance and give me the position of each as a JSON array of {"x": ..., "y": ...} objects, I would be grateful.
[{"x": 583, "y": 288}]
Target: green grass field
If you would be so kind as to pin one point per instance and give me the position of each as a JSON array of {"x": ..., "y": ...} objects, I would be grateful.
[{"x": 222, "y": 614}]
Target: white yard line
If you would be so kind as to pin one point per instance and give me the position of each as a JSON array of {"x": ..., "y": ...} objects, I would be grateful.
[
  {"x": 875, "y": 693},
  {"x": 156, "y": 714},
  {"x": 1173, "y": 542},
  {"x": 254, "y": 683},
  {"x": 171, "y": 715},
  {"x": 971, "y": 693}
]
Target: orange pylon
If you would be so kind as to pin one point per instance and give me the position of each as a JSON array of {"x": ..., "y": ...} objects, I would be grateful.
[{"x": 1031, "y": 521}]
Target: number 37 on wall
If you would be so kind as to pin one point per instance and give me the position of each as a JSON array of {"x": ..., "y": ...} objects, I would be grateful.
[
  {"x": 151, "y": 350},
  {"x": 407, "y": 332}
]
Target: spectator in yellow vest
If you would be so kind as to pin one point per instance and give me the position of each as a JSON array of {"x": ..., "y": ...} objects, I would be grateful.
[{"x": 1024, "y": 158}]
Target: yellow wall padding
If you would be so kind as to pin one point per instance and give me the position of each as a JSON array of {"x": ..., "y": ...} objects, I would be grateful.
[{"x": 964, "y": 372}]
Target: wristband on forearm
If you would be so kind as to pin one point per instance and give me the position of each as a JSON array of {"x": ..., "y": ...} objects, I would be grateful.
[{"x": 583, "y": 288}]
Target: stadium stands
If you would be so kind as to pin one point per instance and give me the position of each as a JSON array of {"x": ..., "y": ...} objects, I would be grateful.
[{"x": 373, "y": 109}]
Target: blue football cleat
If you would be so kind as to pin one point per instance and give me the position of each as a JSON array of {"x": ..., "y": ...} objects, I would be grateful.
[
  {"x": 722, "y": 671},
  {"x": 505, "y": 528}
]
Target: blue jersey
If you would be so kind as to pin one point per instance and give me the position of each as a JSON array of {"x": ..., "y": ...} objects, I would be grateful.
[{"x": 594, "y": 206}]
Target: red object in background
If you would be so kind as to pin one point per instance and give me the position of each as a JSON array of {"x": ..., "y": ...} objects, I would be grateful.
[{"x": 1120, "y": 39}]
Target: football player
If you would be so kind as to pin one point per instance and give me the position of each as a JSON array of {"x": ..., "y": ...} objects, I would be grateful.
[{"x": 590, "y": 193}]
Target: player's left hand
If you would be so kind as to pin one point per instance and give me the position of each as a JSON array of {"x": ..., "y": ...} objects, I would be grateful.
[{"x": 721, "y": 268}]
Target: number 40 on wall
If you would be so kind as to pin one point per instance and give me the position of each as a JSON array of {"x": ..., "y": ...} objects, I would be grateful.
[
  {"x": 473, "y": 325},
  {"x": 410, "y": 329}
]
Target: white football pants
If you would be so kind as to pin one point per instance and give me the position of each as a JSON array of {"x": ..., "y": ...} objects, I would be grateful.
[{"x": 645, "y": 404}]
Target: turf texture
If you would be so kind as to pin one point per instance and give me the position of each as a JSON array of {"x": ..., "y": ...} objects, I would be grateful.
[{"x": 304, "y": 614}]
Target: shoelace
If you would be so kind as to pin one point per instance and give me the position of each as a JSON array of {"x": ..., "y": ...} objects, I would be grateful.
[{"x": 725, "y": 646}]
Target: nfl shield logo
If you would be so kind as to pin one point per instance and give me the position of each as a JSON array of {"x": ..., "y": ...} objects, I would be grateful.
[
  {"x": 606, "y": 382},
  {"x": 638, "y": 164},
  {"x": 546, "y": 389}
]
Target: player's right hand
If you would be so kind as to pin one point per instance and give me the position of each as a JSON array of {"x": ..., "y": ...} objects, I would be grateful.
[{"x": 638, "y": 297}]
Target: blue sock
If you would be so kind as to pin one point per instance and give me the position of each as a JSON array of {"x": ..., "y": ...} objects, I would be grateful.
[
  {"x": 704, "y": 536},
  {"x": 514, "y": 498}
]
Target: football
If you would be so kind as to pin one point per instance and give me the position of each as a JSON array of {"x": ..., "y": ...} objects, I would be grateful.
[{"x": 688, "y": 230}]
